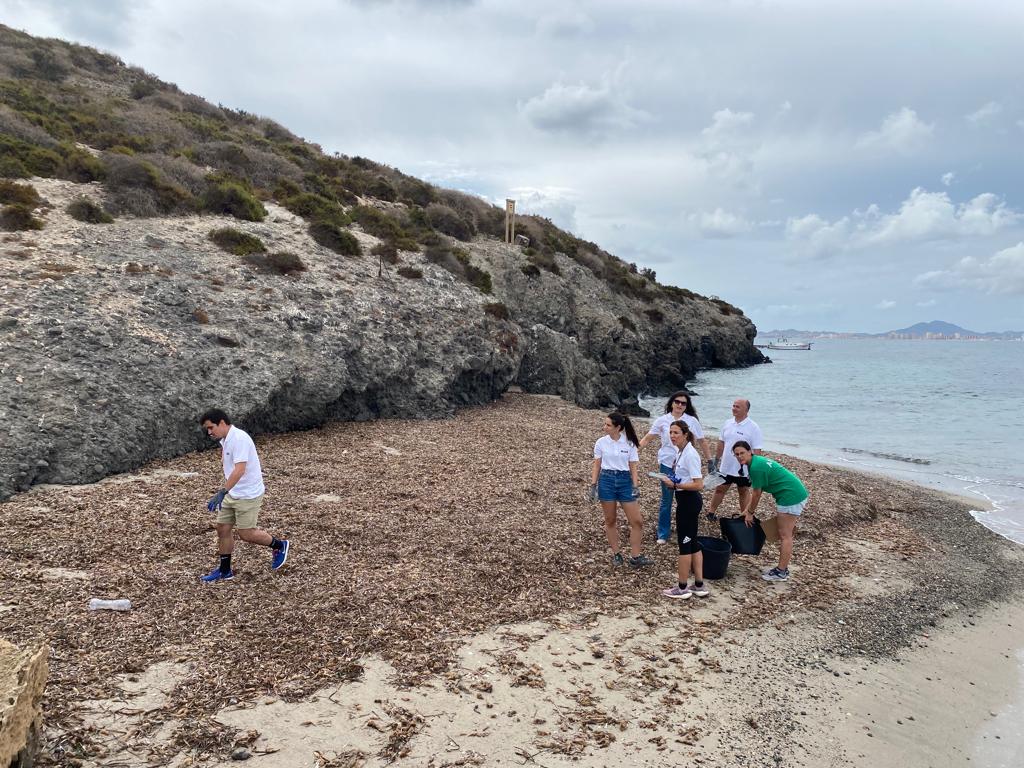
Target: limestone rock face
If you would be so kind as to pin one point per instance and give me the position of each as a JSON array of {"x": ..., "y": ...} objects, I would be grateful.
[
  {"x": 22, "y": 679},
  {"x": 114, "y": 338}
]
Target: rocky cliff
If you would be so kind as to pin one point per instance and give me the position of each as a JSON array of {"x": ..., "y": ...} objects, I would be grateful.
[{"x": 342, "y": 289}]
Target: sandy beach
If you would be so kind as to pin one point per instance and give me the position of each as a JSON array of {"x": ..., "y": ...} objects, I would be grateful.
[{"x": 450, "y": 602}]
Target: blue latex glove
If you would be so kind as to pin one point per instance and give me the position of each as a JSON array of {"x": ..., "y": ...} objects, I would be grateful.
[
  {"x": 592, "y": 495},
  {"x": 216, "y": 500},
  {"x": 712, "y": 465}
]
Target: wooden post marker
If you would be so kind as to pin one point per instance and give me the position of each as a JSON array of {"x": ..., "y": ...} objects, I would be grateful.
[{"x": 510, "y": 220}]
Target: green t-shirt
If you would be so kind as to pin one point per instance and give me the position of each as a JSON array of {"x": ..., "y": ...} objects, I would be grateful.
[{"x": 768, "y": 475}]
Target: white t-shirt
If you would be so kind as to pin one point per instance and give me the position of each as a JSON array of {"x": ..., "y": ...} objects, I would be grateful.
[
  {"x": 235, "y": 447},
  {"x": 733, "y": 432},
  {"x": 660, "y": 427},
  {"x": 615, "y": 454},
  {"x": 686, "y": 464}
]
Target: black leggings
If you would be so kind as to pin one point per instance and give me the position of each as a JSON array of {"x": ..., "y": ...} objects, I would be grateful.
[{"x": 688, "y": 506}]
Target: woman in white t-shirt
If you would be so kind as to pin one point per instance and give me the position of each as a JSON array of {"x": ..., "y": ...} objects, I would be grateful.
[
  {"x": 678, "y": 408},
  {"x": 613, "y": 480},
  {"x": 686, "y": 482}
]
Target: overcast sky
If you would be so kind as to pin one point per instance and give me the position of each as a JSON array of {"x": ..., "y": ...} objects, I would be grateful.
[{"x": 824, "y": 165}]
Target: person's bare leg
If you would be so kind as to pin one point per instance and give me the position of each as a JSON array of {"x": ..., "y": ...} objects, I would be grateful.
[
  {"x": 611, "y": 529},
  {"x": 636, "y": 526},
  {"x": 787, "y": 524},
  {"x": 716, "y": 499},
  {"x": 698, "y": 566},
  {"x": 683, "y": 568},
  {"x": 255, "y": 536},
  {"x": 225, "y": 541}
]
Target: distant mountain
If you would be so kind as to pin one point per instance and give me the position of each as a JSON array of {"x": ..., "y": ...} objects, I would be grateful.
[{"x": 935, "y": 329}]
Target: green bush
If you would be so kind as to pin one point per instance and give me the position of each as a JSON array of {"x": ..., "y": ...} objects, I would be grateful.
[
  {"x": 236, "y": 242},
  {"x": 142, "y": 88},
  {"x": 457, "y": 262},
  {"x": 232, "y": 198},
  {"x": 81, "y": 167},
  {"x": 18, "y": 218},
  {"x": 627, "y": 323},
  {"x": 377, "y": 223},
  {"x": 84, "y": 209},
  {"x": 337, "y": 239},
  {"x": 498, "y": 310},
  {"x": 415, "y": 192},
  {"x": 25, "y": 194},
  {"x": 655, "y": 315},
  {"x": 13, "y": 168},
  {"x": 313, "y": 207},
  {"x": 138, "y": 187},
  {"x": 446, "y": 220},
  {"x": 382, "y": 189},
  {"x": 411, "y": 272}
]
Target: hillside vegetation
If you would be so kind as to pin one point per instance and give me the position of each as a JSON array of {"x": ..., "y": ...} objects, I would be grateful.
[{"x": 162, "y": 254}]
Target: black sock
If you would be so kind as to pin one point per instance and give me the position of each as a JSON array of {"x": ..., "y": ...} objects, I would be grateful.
[
  {"x": 682, "y": 585},
  {"x": 225, "y": 563},
  {"x": 698, "y": 583},
  {"x": 276, "y": 543}
]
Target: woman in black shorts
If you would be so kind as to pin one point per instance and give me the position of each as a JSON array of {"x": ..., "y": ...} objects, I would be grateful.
[{"x": 687, "y": 482}]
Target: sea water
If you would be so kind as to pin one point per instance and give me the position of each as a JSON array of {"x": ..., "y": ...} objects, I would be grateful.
[{"x": 944, "y": 414}]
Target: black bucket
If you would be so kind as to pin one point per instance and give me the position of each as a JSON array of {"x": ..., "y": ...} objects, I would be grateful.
[
  {"x": 716, "y": 556},
  {"x": 744, "y": 541}
]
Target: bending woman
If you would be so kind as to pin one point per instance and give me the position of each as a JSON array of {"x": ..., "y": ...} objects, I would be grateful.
[
  {"x": 686, "y": 483},
  {"x": 790, "y": 498},
  {"x": 614, "y": 481},
  {"x": 678, "y": 408}
]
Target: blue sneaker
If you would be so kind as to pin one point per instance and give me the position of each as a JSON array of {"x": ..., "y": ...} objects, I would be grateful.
[
  {"x": 280, "y": 556},
  {"x": 216, "y": 575}
]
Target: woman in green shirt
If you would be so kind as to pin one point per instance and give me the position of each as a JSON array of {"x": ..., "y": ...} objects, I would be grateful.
[{"x": 790, "y": 498}]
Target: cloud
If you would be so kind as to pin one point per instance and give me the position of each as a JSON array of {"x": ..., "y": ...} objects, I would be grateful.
[
  {"x": 902, "y": 131},
  {"x": 565, "y": 23},
  {"x": 923, "y": 216},
  {"x": 927, "y": 303},
  {"x": 725, "y": 123},
  {"x": 555, "y": 203},
  {"x": 985, "y": 115},
  {"x": 581, "y": 109},
  {"x": 947, "y": 178},
  {"x": 1002, "y": 273},
  {"x": 719, "y": 223},
  {"x": 885, "y": 304}
]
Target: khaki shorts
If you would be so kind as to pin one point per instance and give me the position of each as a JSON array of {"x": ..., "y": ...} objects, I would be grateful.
[{"x": 241, "y": 513}]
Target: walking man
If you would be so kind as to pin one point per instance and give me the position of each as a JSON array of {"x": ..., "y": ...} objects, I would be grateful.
[
  {"x": 238, "y": 502},
  {"x": 739, "y": 427}
]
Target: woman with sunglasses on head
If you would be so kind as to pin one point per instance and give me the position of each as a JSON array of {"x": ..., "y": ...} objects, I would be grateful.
[
  {"x": 614, "y": 481},
  {"x": 790, "y": 499},
  {"x": 678, "y": 408},
  {"x": 685, "y": 482}
]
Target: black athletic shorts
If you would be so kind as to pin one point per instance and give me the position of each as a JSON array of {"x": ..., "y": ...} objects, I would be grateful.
[
  {"x": 688, "y": 506},
  {"x": 740, "y": 481}
]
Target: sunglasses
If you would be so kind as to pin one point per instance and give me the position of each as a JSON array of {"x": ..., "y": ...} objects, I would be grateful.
[{"x": 680, "y": 402}]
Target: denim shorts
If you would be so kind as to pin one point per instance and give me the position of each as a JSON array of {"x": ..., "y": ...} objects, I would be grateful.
[
  {"x": 793, "y": 509},
  {"x": 616, "y": 485}
]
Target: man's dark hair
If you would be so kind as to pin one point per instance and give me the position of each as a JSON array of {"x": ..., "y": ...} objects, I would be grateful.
[{"x": 214, "y": 416}]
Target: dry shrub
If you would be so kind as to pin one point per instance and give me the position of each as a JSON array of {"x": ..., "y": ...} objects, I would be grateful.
[
  {"x": 411, "y": 272},
  {"x": 498, "y": 310},
  {"x": 138, "y": 187},
  {"x": 530, "y": 270},
  {"x": 387, "y": 252},
  {"x": 18, "y": 218},
  {"x": 84, "y": 209},
  {"x": 626, "y": 323},
  {"x": 280, "y": 263},
  {"x": 201, "y": 316},
  {"x": 12, "y": 192},
  {"x": 446, "y": 220}
]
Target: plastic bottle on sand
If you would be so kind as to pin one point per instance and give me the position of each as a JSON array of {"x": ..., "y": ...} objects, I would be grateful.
[{"x": 109, "y": 605}]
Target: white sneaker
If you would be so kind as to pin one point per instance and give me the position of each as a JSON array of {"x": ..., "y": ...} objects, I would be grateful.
[{"x": 662, "y": 541}]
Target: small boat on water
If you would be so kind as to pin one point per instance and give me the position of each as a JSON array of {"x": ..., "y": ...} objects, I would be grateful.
[{"x": 787, "y": 344}]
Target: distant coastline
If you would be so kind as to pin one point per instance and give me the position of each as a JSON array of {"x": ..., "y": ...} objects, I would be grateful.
[{"x": 936, "y": 330}]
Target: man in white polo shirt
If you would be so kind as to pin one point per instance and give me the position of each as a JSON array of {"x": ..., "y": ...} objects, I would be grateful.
[
  {"x": 739, "y": 427},
  {"x": 238, "y": 502}
]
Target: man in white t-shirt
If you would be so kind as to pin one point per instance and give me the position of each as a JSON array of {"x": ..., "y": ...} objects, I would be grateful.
[
  {"x": 739, "y": 427},
  {"x": 238, "y": 502}
]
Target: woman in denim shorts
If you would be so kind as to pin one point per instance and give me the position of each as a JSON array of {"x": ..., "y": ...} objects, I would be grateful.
[{"x": 613, "y": 480}]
